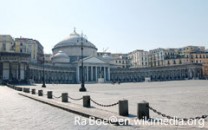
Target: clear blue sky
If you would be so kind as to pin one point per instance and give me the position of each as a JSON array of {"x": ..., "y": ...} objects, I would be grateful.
[{"x": 121, "y": 25}]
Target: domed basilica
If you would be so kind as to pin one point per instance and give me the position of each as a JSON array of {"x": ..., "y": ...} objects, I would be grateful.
[
  {"x": 68, "y": 53},
  {"x": 71, "y": 46},
  {"x": 22, "y": 60}
]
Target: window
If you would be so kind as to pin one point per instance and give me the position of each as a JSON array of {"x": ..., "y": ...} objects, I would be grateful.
[
  {"x": 4, "y": 46},
  {"x": 174, "y": 62}
]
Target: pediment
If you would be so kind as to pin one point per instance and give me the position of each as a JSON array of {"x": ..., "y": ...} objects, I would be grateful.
[{"x": 93, "y": 60}]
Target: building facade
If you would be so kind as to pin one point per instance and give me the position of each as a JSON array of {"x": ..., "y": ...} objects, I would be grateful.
[
  {"x": 138, "y": 59},
  {"x": 165, "y": 73},
  {"x": 31, "y": 46},
  {"x": 22, "y": 61},
  {"x": 7, "y": 43},
  {"x": 14, "y": 67}
]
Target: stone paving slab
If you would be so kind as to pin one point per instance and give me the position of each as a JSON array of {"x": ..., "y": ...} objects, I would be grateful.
[
  {"x": 127, "y": 122},
  {"x": 175, "y": 98},
  {"x": 21, "y": 113},
  {"x": 78, "y": 109}
]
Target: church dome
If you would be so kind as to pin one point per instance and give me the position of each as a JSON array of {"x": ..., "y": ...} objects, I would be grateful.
[
  {"x": 60, "y": 54},
  {"x": 74, "y": 39},
  {"x": 72, "y": 47},
  {"x": 60, "y": 57}
]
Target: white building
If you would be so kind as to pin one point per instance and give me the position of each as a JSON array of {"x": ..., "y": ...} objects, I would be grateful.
[
  {"x": 30, "y": 46},
  {"x": 68, "y": 53},
  {"x": 138, "y": 59},
  {"x": 156, "y": 57},
  {"x": 7, "y": 43}
]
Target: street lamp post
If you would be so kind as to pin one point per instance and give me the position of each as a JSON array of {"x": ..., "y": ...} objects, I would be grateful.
[
  {"x": 43, "y": 85},
  {"x": 82, "y": 89}
]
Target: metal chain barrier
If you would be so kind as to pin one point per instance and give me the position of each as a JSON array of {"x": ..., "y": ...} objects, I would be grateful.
[
  {"x": 75, "y": 99},
  {"x": 170, "y": 117},
  {"x": 57, "y": 97},
  {"x": 102, "y": 105}
]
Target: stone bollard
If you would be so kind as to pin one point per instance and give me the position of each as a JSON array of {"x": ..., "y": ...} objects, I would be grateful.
[
  {"x": 123, "y": 107},
  {"x": 86, "y": 101},
  {"x": 26, "y": 90},
  {"x": 64, "y": 97},
  {"x": 33, "y": 91},
  {"x": 143, "y": 110},
  {"x": 40, "y": 92},
  {"x": 49, "y": 94},
  {"x": 19, "y": 89}
]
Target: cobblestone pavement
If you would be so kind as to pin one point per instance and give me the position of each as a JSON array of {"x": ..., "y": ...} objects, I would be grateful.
[
  {"x": 175, "y": 98},
  {"x": 21, "y": 113}
]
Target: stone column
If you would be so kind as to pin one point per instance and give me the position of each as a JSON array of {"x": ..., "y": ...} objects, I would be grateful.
[
  {"x": 91, "y": 73},
  {"x": 87, "y": 73},
  {"x": 109, "y": 73},
  {"x": 10, "y": 71},
  {"x": 96, "y": 74},
  {"x": 78, "y": 80},
  {"x": 1, "y": 71},
  {"x": 19, "y": 70},
  {"x": 26, "y": 72},
  {"x": 104, "y": 74}
]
